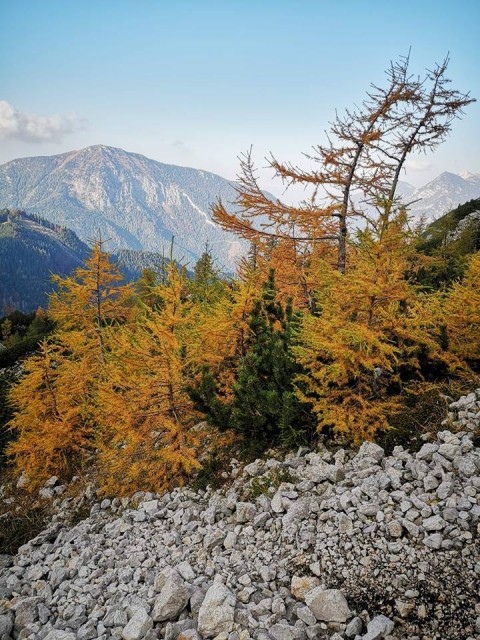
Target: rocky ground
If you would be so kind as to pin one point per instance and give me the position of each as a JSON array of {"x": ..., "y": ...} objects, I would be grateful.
[{"x": 351, "y": 544}]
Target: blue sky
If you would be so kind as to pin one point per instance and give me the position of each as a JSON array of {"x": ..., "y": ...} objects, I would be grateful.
[{"x": 195, "y": 82}]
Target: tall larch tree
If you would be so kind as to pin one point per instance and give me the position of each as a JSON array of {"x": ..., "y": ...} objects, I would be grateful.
[
  {"x": 56, "y": 401},
  {"x": 359, "y": 167},
  {"x": 153, "y": 445},
  {"x": 462, "y": 314}
]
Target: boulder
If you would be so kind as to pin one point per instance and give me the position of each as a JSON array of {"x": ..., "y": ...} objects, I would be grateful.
[
  {"x": 216, "y": 613},
  {"x": 328, "y": 605},
  {"x": 138, "y": 625},
  {"x": 173, "y": 598}
]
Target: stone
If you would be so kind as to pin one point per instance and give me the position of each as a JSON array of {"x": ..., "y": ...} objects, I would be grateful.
[
  {"x": 371, "y": 450},
  {"x": 433, "y": 541},
  {"x": 297, "y": 511},
  {"x": 354, "y": 627},
  {"x": 404, "y": 608},
  {"x": 378, "y": 627},
  {"x": 138, "y": 625},
  {"x": 435, "y": 523},
  {"x": 173, "y": 598},
  {"x": 216, "y": 614},
  {"x": 282, "y": 631},
  {"x": 395, "y": 528},
  {"x": 304, "y": 614},
  {"x": 6, "y": 625},
  {"x": 185, "y": 570},
  {"x": 189, "y": 634},
  {"x": 26, "y": 612},
  {"x": 277, "y": 503},
  {"x": 245, "y": 512},
  {"x": 301, "y": 585},
  {"x": 115, "y": 617},
  {"x": 328, "y": 605},
  {"x": 344, "y": 523},
  {"x": 445, "y": 490},
  {"x": 57, "y": 634}
]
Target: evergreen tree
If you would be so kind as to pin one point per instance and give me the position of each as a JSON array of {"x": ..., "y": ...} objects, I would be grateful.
[
  {"x": 263, "y": 409},
  {"x": 206, "y": 287}
]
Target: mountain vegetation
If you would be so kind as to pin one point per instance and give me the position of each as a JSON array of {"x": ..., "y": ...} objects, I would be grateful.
[
  {"x": 31, "y": 250},
  {"x": 326, "y": 328},
  {"x": 448, "y": 242}
]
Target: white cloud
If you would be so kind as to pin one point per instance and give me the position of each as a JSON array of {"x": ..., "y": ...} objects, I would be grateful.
[
  {"x": 30, "y": 127},
  {"x": 418, "y": 164}
]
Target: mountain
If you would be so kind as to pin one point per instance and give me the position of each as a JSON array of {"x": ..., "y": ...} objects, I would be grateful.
[
  {"x": 444, "y": 193},
  {"x": 32, "y": 249},
  {"x": 137, "y": 203},
  {"x": 450, "y": 239}
]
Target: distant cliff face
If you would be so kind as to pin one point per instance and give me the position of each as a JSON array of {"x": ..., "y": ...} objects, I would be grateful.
[
  {"x": 444, "y": 193},
  {"x": 137, "y": 203}
]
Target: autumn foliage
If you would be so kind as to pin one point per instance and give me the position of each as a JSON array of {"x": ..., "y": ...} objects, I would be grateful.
[{"x": 323, "y": 329}]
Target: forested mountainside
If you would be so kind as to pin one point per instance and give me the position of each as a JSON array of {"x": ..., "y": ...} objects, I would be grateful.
[
  {"x": 137, "y": 203},
  {"x": 33, "y": 249}
]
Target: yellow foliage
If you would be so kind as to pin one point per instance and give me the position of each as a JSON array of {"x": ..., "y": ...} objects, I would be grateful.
[
  {"x": 371, "y": 322},
  {"x": 56, "y": 399},
  {"x": 462, "y": 313},
  {"x": 145, "y": 438},
  {"x": 51, "y": 402}
]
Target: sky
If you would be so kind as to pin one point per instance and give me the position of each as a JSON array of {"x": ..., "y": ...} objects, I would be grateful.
[{"x": 197, "y": 82}]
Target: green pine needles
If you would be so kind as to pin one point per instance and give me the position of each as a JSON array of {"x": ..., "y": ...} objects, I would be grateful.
[{"x": 264, "y": 409}]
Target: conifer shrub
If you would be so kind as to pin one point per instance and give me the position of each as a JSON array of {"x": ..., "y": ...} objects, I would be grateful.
[{"x": 264, "y": 409}]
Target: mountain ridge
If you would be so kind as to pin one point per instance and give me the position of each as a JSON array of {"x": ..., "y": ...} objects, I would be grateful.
[{"x": 136, "y": 202}]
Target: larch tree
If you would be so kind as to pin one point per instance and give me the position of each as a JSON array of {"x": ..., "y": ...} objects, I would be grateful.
[
  {"x": 372, "y": 334},
  {"x": 360, "y": 165},
  {"x": 153, "y": 446},
  {"x": 52, "y": 436},
  {"x": 462, "y": 314},
  {"x": 56, "y": 402}
]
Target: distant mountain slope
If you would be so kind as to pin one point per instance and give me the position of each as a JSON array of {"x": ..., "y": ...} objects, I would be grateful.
[
  {"x": 32, "y": 249},
  {"x": 137, "y": 203},
  {"x": 444, "y": 193},
  {"x": 450, "y": 240}
]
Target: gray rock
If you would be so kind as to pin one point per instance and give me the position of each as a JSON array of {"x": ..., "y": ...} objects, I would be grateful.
[
  {"x": 371, "y": 450},
  {"x": 282, "y": 631},
  {"x": 445, "y": 490},
  {"x": 435, "y": 523},
  {"x": 433, "y": 541},
  {"x": 354, "y": 627},
  {"x": 378, "y": 628},
  {"x": 6, "y": 625},
  {"x": 328, "y": 605},
  {"x": 216, "y": 614},
  {"x": 304, "y": 614},
  {"x": 138, "y": 625},
  {"x": 245, "y": 512},
  {"x": 26, "y": 612},
  {"x": 173, "y": 598},
  {"x": 57, "y": 634}
]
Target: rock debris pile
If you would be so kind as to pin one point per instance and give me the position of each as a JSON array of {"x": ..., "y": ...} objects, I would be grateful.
[{"x": 345, "y": 545}]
